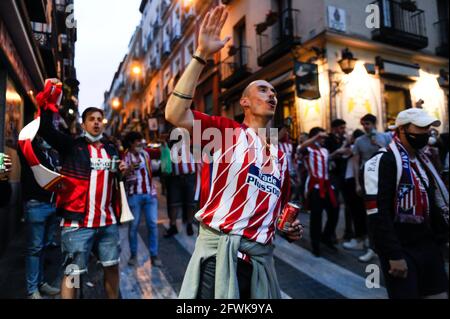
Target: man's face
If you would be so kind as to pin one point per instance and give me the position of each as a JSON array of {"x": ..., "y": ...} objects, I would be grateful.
[
  {"x": 368, "y": 126},
  {"x": 340, "y": 130},
  {"x": 94, "y": 124},
  {"x": 413, "y": 129},
  {"x": 260, "y": 99}
]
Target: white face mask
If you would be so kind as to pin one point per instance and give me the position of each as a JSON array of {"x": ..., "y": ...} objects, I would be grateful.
[
  {"x": 139, "y": 149},
  {"x": 92, "y": 138},
  {"x": 432, "y": 140}
]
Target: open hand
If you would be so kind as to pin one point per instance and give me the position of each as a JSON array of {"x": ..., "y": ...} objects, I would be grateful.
[{"x": 209, "y": 41}]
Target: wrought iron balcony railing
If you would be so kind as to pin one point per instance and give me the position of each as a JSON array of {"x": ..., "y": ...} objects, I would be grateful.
[
  {"x": 277, "y": 34},
  {"x": 402, "y": 24},
  {"x": 234, "y": 68}
]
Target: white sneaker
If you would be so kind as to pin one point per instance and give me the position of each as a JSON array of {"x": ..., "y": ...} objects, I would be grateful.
[
  {"x": 35, "y": 295},
  {"x": 354, "y": 244},
  {"x": 48, "y": 290},
  {"x": 367, "y": 256}
]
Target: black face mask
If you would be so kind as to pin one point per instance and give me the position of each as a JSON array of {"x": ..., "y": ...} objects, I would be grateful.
[{"x": 417, "y": 141}]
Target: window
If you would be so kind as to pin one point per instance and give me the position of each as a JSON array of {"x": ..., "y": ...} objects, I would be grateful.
[
  {"x": 189, "y": 51},
  {"x": 209, "y": 105},
  {"x": 397, "y": 99}
]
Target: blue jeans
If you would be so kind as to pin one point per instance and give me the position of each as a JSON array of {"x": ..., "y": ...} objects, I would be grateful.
[
  {"x": 78, "y": 243},
  {"x": 149, "y": 205},
  {"x": 39, "y": 217}
]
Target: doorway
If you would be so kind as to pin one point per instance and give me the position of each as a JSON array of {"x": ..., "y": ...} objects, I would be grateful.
[{"x": 397, "y": 99}]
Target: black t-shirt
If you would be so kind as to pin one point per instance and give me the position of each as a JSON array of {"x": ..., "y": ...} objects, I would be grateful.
[
  {"x": 30, "y": 188},
  {"x": 332, "y": 143}
]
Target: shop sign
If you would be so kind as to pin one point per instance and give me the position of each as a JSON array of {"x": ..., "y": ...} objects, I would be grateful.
[{"x": 307, "y": 80}]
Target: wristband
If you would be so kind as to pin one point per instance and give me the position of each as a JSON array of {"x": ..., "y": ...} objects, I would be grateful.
[
  {"x": 199, "y": 59},
  {"x": 182, "y": 96}
]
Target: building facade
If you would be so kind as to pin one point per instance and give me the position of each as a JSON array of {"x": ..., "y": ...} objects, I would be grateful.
[
  {"x": 36, "y": 42},
  {"x": 159, "y": 51},
  {"x": 399, "y": 48},
  {"x": 368, "y": 56}
]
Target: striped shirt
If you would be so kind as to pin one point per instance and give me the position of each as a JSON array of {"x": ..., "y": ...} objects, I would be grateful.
[
  {"x": 317, "y": 163},
  {"x": 99, "y": 211},
  {"x": 287, "y": 148},
  {"x": 140, "y": 180},
  {"x": 243, "y": 188},
  {"x": 183, "y": 162}
]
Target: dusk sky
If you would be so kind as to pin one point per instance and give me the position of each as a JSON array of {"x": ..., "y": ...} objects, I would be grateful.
[{"x": 105, "y": 28}]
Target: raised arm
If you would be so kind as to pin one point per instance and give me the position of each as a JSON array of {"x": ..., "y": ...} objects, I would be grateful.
[
  {"x": 312, "y": 140},
  {"x": 178, "y": 111}
]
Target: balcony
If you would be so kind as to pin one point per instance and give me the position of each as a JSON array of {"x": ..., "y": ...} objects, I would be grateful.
[
  {"x": 44, "y": 39},
  {"x": 37, "y": 10},
  {"x": 234, "y": 67},
  {"x": 165, "y": 52},
  {"x": 165, "y": 4},
  {"x": 176, "y": 35},
  {"x": 63, "y": 45},
  {"x": 187, "y": 18},
  {"x": 402, "y": 24},
  {"x": 442, "y": 29},
  {"x": 276, "y": 35}
]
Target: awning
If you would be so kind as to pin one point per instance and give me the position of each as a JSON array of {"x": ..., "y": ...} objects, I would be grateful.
[{"x": 398, "y": 69}]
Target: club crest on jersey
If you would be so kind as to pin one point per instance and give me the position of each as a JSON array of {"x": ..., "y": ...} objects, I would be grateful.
[
  {"x": 267, "y": 183},
  {"x": 100, "y": 164}
]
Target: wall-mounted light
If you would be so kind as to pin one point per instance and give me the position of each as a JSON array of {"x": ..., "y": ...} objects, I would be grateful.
[
  {"x": 116, "y": 104},
  {"x": 347, "y": 63}
]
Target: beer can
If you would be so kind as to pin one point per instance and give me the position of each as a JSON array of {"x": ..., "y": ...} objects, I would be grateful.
[
  {"x": 288, "y": 216},
  {"x": 114, "y": 162},
  {"x": 2, "y": 163}
]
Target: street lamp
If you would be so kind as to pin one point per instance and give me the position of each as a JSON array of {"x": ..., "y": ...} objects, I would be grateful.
[
  {"x": 136, "y": 70},
  {"x": 116, "y": 104},
  {"x": 347, "y": 63}
]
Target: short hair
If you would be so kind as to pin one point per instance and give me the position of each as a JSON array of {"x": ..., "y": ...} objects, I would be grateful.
[
  {"x": 357, "y": 133},
  {"x": 314, "y": 131},
  {"x": 337, "y": 123},
  {"x": 130, "y": 138},
  {"x": 369, "y": 118},
  {"x": 91, "y": 110}
]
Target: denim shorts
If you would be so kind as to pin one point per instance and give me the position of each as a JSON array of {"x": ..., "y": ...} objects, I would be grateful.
[{"x": 77, "y": 244}]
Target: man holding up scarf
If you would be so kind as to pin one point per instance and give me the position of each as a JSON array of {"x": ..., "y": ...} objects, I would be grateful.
[{"x": 407, "y": 207}]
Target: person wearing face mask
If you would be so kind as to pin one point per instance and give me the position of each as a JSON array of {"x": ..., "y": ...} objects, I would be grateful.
[
  {"x": 319, "y": 192},
  {"x": 142, "y": 196},
  {"x": 407, "y": 205},
  {"x": 40, "y": 218},
  {"x": 89, "y": 199}
]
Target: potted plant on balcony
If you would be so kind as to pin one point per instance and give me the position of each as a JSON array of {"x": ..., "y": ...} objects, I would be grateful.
[
  {"x": 409, "y": 5},
  {"x": 261, "y": 27},
  {"x": 232, "y": 50},
  {"x": 271, "y": 18}
]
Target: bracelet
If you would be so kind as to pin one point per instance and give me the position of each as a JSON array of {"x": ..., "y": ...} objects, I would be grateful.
[
  {"x": 199, "y": 59},
  {"x": 182, "y": 96}
]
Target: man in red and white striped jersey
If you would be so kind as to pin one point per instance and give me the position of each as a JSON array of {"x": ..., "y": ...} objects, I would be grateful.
[
  {"x": 88, "y": 202},
  {"x": 319, "y": 192},
  {"x": 181, "y": 186},
  {"x": 244, "y": 186},
  {"x": 142, "y": 196}
]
